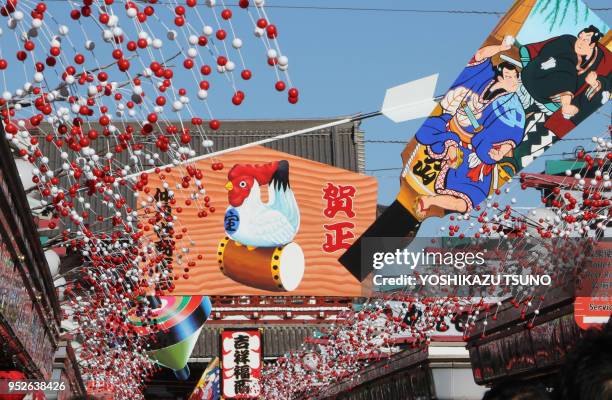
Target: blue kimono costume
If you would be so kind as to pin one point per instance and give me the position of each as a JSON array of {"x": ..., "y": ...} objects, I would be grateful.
[{"x": 499, "y": 120}]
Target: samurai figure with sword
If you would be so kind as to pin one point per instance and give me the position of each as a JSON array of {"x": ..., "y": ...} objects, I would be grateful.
[{"x": 482, "y": 120}]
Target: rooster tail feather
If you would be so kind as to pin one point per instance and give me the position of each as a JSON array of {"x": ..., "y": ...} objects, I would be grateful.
[
  {"x": 280, "y": 179},
  {"x": 282, "y": 197}
]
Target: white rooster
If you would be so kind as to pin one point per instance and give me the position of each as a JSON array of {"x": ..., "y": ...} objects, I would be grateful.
[{"x": 250, "y": 221}]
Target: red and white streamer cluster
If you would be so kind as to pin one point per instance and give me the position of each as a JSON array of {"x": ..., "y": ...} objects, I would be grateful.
[
  {"x": 361, "y": 338},
  {"x": 102, "y": 82}
]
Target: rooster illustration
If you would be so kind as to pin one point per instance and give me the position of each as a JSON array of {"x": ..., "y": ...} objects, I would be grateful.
[{"x": 251, "y": 222}]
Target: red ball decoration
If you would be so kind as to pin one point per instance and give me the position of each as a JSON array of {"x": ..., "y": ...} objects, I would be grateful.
[
  {"x": 280, "y": 86},
  {"x": 214, "y": 124},
  {"x": 243, "y": 3},
  {"x": 271, "y": 31},
  {"x": 246, "y": 74},
  {"x": 226, "y": 14},
  {"x": 221, "y": 34},
  {"x": 262, "y": 23},
  {"x": 123, "y": 65},
  {"x": 221, "y": 60},
  {"x": 293, "y": 92}
]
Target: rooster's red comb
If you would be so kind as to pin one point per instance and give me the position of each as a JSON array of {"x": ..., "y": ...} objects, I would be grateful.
[{"x": 261, "y": 172}]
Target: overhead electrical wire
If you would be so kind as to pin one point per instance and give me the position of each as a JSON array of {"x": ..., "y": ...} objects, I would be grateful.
[{"x": 363, "y": 9}]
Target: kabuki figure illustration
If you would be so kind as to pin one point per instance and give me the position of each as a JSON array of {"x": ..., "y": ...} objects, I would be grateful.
[
  {"x": 567, "y": 77},
  {"x": 482, "y": 121},
  {"x": 485, "y": 112}
]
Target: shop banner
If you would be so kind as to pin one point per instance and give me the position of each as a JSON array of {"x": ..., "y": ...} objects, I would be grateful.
[
  {"x": 268, "y": 222},
  {"x": 241, "y": 363}
]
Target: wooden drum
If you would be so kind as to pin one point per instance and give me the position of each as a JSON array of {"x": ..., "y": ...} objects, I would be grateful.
[{"x": 277, "y": 269}]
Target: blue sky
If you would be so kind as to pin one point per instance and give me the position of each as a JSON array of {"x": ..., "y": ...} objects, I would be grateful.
[{"x": 343, "y": 61}]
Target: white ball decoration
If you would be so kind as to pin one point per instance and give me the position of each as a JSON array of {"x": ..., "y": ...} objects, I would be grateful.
[
  {"x": 107, "y": 35},
  {"x": 177, "y": 106},
  {"x": 113, "y": 21},
  {"x": 237, "y": 43}
]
